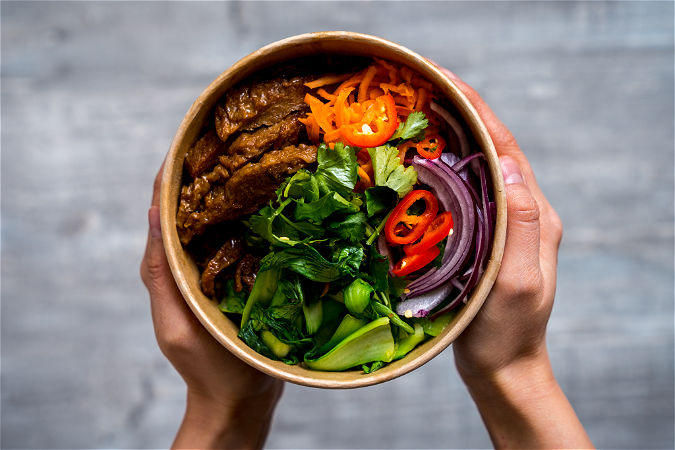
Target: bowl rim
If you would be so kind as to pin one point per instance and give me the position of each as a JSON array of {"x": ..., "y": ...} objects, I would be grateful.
[{"x": 304, "y": 45}]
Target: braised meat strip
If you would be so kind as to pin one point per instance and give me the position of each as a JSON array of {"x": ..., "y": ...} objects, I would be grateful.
[
  {"x": 229, "y": 253},
  {"x": 248, "y": 189},
  {"x": 261, "y": 103},
  {"x": 250, "y": 146}
]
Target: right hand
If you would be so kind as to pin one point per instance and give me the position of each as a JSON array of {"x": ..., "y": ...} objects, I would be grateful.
[{"x": 510, "y": 327}]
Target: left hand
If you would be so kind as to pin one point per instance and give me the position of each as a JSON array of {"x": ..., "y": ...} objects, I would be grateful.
[{"x": 229, "y": 402}]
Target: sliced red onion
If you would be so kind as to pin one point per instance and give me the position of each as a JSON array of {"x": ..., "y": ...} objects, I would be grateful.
[
  {"x": 456, "y": 127},
  {"x": 461, "y": 164},
  {"x": 446, "y": 184},
  {"x": 434, "y": 287},
  {"x": 482, "y": 242}
]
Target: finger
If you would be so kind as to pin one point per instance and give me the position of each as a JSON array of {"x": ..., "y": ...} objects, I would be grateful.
[
  {"x": 501, "y": 136},
  {"x": 506, "y": 144},
  {"x": 520, "y": 272},
  {"x": 157, "y": 187}
]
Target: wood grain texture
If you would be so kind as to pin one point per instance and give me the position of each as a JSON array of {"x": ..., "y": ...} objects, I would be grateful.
[{"x": 92, "y": 94}]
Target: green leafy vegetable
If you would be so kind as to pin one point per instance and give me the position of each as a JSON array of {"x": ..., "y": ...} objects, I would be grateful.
[
  {"x": 233, "y": 301},
  {"x": 318, "y": 210},
  {"x": 372, "y": 342},
  {"x": 313, "y": 316},
  {"x": 337, "y": 169},
  {"x": 263, "y": 290},
  {"x": 383, "y": 311},
  {"x": 437, "y": 326},
  {"x": 352, "y": 228},
  {"x": 412, "y": 128},
  {"x": 390, "y": 172},
  {"x": 308, "y": 262},
  {"x": 380, "y": 199},
  {"x": 357, "y": 296},
  {"x": 406, "y": 344}
]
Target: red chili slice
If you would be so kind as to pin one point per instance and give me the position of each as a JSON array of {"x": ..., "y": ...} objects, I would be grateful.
[
  {"x": 435, "y": 233},
  {"x": 416, "y": 224},
  {"x": 379, "y": 123},
  {"x": 431, "y": 147},
  {"x": 409, "y": 264}
]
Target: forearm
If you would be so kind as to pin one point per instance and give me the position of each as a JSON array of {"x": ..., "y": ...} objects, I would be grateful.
[
  {"x": 211, "y": 425},
  {"x": 523, "y": 407}
]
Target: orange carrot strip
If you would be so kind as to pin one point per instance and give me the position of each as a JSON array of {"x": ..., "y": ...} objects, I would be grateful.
[
  {"x": 329, "y": 79},
  {"x": 368, "y": 166},
  {"x": 421, "y": 98},
  {"x": 406, "y": 74},
  {"x": 404, "y": 101},
  {"x": 332, "y": 136},
  {"x": 365, "y": 178},
  {"x": 341, "y": 112},
  {"x": 312, "y": 128},
  {"x": 322, "y": 92},
  {"x": 353, "y": 81},
  {"x": 363, "y": 154},
  {"x": 421, "y": 83},
  {"x": 386, "y": 87},
  {"x": 403, "y": 111},
  {"x": 320, "y": 113},
  {"x": 365, "y": 83},
  {"x": 375, "y": 92}
]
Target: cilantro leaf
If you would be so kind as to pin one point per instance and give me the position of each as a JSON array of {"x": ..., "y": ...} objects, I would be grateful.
[
  {"x": 390, "y": 172},
  {"x": 353, "y": 227},
  {"x": 337, "y": 169},
  {"x": 412, "y": 128},
  {"x": 323, "y": 207}
]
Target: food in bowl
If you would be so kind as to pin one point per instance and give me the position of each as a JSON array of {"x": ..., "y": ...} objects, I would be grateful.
[{"x": 337, "y": 211}]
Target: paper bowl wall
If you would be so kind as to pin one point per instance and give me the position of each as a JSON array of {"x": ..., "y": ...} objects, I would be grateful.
[{"x": 187, "y": 274}]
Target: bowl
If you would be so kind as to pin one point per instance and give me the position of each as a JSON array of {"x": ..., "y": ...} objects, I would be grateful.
[{"x": 185, "y": 270}]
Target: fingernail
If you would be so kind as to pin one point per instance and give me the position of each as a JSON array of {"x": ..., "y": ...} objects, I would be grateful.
[
  {"x": 511, "y": 170},
  {"x": 155, "y": 226}
]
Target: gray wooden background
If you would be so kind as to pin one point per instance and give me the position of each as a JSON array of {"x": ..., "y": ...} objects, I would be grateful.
[{"x": 92, "y": 94}]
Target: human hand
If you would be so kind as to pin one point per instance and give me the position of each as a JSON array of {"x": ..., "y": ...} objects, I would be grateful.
[
  {"x": 229, "y": 403},
  {"x": 511, "y": 325},
  {"x": 502, "y": 356}
]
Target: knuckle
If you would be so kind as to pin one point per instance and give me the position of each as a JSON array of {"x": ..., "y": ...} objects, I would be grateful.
[
  {"x": 173, "y": 341},
  {"x": 526, "y": 284},
  {"x": 554, "y": 224},
  {"x": 525, "y": 208}
]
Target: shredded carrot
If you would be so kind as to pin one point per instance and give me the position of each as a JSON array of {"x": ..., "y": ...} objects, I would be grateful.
[
  {"x": 365, "y": 178},
  {"x": 365, "y": 83},
  {"x": 349, "y": 103},
  {"x": 312, "y": 128},
  {"x": 322, "y": 92},
  {"x": 421, "y": 83},
  {"x": 421, "y": 98},
  {"x": 329, "y": 79}
]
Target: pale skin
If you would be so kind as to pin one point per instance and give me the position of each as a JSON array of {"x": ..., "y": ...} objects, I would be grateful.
[{"x": 501, "y": 356}]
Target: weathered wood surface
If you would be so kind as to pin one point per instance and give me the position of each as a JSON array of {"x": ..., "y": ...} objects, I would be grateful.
[{"x": 93, "y": 92}]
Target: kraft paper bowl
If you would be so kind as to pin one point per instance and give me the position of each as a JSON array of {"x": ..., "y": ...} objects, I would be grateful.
[{"x": 185, "y": 271}]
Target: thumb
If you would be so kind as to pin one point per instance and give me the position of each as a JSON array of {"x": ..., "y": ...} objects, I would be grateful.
[
  {"x": 521, "y": 251},
  {"x": 155, "y": 270}
]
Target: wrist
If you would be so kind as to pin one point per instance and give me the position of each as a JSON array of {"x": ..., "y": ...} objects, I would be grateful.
[
  {"x": 523, "y": 406},
  {"x": 524, "y": 379},
  {"x": 238, "y": 423}
]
